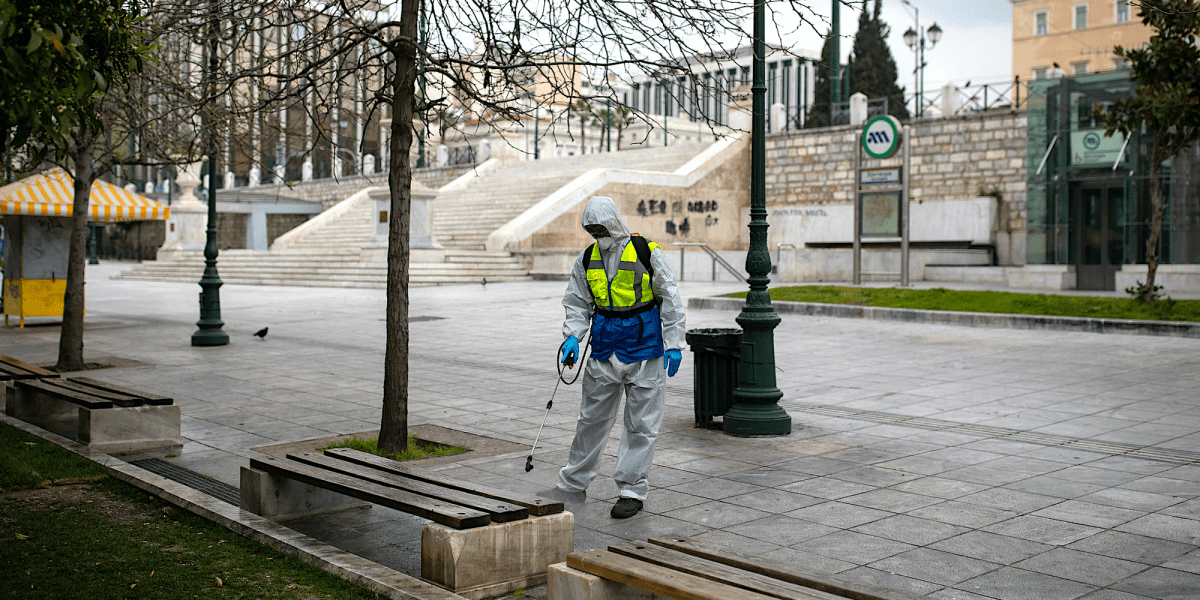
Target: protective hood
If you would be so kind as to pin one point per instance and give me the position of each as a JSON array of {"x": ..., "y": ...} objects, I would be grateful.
[{"x": 603, "y": 211}]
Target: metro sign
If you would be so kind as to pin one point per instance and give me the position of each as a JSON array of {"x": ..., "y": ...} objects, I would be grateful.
[{"x": 881, "y": 136}]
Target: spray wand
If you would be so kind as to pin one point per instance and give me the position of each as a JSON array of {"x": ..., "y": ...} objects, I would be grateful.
[{"x": 570, "y": 362}]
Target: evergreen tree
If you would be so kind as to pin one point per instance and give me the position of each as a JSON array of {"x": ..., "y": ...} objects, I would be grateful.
[
  {"x": 818, "y": 111},
  {"x": 872, "y": 68}
]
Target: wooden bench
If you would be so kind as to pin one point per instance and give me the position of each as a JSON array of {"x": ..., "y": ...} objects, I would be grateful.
[
  {"x": 482, "y": 542},
  {"x": 12, "y": 369},
  {"x": 106, "y": 417},
  {"x": 687, "y": 569}
]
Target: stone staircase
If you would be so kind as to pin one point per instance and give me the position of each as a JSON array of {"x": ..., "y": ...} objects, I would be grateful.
[{"x": 463, "y": 217}]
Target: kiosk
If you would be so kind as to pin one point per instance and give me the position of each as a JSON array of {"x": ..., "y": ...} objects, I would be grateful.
[{"x": 38, "y": 234}]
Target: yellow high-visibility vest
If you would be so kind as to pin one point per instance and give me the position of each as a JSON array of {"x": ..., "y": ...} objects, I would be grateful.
[{"x": 631, "y": 290}]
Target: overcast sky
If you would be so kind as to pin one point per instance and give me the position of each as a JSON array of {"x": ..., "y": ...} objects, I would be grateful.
[{"x": 976, "y": 42}]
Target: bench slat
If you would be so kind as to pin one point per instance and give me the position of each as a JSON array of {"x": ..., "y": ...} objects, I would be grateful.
[
  {"x": 118, "y": 399},
  {"x": 708, "y": 569},
  {"x": 536, "y": 506},
  {"x": 500, "y": 512},
  {"x": 820, "y": 580},
  {"x": 19, "y": 369},
  {"x": 450, "y": 515},
  {"x": 151, "y": 399},
  {"x": 64, "y": 394},
  {"x": 655, "y": 579}
]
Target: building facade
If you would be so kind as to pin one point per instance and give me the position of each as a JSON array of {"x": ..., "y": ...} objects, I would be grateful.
[
  {"x": 1087, "y": 195},
  {"x": 1077, "y": 35}
]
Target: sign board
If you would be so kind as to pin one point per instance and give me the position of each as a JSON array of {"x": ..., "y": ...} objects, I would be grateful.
[
  {"x": 881, "y": 136},
  {"x": 881, "y": 214},
  {"x": 1090, "y": 147},
  {"x": 880, "y": 176}
]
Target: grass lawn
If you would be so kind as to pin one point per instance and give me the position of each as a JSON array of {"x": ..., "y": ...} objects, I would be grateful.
[
  {"x": 106, "y": 539},
  {"x": 992, "y": 302},
  {"x": 416, "y": 448}
]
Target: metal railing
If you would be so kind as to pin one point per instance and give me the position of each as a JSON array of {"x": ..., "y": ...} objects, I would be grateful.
[
  {"x": 779, "y": 254},
  {"x": 457, "y": 156},
  {"x": 841, "y": 112},
  {"x": 716, "y": 259},
  {"x": 974, "y": 98}
]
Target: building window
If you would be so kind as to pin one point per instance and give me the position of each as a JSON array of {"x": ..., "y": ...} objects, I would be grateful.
[
  {"x": 1041, "y": 20},
  {"x": 1079, "y": 68},
  {"x": 1040, "y": 73},
  {"x": 1081, "y": 16},
  {"x": 1122, "y": 11}
]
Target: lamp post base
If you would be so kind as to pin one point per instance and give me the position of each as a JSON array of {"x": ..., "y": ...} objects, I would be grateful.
[
  {"x": 210, "y": 337},
  {"x": 210, "y": 323},
  {"x": 757, "y": 420}
]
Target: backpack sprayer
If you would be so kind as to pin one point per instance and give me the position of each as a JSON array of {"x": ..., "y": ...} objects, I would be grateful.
[{"x": 570, "y": 363}]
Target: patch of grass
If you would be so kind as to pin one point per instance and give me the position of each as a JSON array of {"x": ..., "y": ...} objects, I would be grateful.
[
  {"x": 993, "y": 302},
  {"x": 416, "y": 448},
  {"x": 114, "y": 541},
  {"x": 28, "y": 461}
]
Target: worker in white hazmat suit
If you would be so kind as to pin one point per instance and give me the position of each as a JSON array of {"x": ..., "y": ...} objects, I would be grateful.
[{"x": 622, "y": 289}]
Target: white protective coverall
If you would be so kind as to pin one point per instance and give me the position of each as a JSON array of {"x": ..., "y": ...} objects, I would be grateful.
[{"x": 644, "y": 382}]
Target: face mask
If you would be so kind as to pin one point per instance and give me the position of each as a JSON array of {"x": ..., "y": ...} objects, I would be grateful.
[{"x": 605, "y": 243}]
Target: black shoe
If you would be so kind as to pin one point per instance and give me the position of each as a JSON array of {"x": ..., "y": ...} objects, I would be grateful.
[{"x": 625, "y": 508}]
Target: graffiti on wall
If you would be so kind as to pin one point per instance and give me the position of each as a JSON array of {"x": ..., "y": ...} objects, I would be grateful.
[{"x": 650, "y": 208}]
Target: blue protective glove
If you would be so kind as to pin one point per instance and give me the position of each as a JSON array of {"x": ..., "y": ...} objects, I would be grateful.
[
  {"x": 570, "y": 350},
  {"x": 671, "y": 362}
]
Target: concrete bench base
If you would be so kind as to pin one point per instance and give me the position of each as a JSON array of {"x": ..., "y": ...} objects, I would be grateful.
[
  {"x": 496, "y": 559},
  {"x": 565, "y": 583},
  {"x": 110, "y": 430},
  {"x": 282, "y": 499},
  {"x": 480, "y": 562}
]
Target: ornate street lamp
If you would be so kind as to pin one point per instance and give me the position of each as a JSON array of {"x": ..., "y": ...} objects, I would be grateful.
[
  {"x": 756, "y": 410},
  {"x": 210, "y": 323},
  {"x": 916, "y": 41}
]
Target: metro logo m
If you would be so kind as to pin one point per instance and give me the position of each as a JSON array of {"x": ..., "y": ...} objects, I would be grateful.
[{"x": 878, "y": 137}]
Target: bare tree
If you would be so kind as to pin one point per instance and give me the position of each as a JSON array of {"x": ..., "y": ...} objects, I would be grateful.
[
  {"x": 498, "y": 60},
  {"x": 145, "y": 118}
]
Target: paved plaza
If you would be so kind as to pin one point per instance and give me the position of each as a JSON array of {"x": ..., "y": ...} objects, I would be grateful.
[{"x": 954, "y": 462}]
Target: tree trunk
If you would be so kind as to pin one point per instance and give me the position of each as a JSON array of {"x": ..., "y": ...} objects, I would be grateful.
[
  {"x": 393, "y": 427},
  {"x": 1157, "y": 209},
  {"x": 70, "y": 341}
]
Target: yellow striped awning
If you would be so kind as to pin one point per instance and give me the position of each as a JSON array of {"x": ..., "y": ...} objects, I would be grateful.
[{"x": 52, "y": 192}]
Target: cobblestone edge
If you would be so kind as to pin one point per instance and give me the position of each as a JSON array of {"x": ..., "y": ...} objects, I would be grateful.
[{"x": 966, "y": 319}]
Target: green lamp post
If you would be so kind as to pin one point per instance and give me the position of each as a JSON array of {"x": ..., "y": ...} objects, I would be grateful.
[
  {"x": 210, "y": 323},
  {"x": 756, "y": 410}
]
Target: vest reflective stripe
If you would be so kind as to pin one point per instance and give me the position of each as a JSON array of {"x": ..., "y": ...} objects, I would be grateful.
[{"x": 630, "y": 288}]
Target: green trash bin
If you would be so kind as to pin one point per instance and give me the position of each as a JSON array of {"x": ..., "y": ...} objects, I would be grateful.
[{"x": 716, "y": 353}]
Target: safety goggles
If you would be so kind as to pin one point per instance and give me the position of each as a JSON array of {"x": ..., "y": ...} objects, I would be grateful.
[{"x": 596, "y": 231}]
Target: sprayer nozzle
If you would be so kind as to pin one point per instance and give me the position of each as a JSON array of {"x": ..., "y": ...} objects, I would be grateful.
[{"x": 529, "y": 463}]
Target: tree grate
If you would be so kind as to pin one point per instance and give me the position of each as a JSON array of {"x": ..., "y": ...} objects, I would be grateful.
[{"x": 217, "y": 489}]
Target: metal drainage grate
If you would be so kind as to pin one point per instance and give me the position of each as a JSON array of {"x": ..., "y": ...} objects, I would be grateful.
[{"x": 217, "y": 489}]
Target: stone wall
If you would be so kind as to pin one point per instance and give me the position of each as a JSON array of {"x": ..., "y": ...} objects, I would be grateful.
[
  {"x": 279, "y": 224},
  {"x": 954, "y": 158},
  {"x": 231, "y": 231},
  {"x": 711, "y": 211}
]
